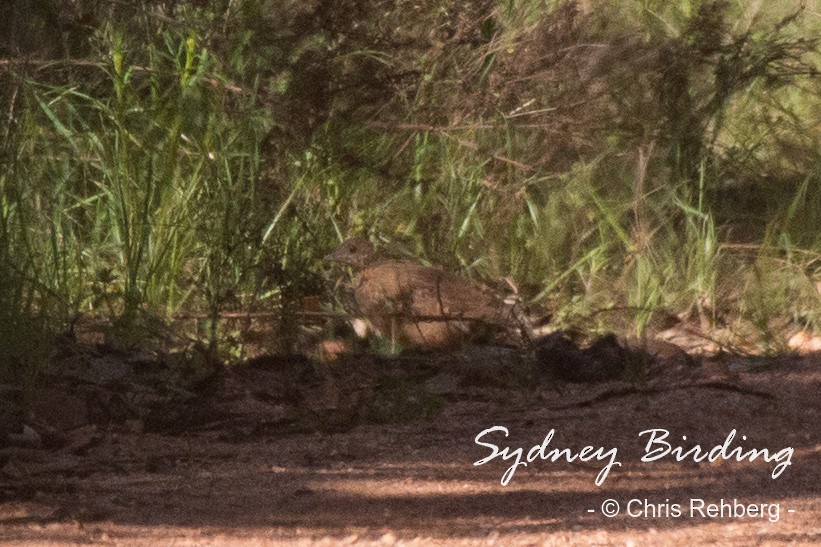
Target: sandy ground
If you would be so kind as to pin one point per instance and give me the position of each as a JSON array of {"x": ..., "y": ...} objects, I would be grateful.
[{"x": 415, "y": 483}]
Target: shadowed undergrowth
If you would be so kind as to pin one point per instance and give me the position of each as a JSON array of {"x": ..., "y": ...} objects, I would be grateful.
[{"x": 615, "y": 162}]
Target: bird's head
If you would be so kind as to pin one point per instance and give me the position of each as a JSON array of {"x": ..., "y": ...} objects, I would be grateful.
[{"x": 357, "y": 252}]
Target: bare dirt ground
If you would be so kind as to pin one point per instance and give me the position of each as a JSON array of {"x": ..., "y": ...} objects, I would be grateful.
[{"x": 340, "y": 454}]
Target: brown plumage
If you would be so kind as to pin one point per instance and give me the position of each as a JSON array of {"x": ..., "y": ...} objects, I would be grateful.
[{"x": 415, "y": 305}]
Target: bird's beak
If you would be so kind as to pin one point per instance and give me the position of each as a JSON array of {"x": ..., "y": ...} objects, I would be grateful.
[{"x": 339, "y": 255}]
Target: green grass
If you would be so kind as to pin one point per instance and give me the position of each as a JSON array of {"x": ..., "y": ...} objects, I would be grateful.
[{"x": 205, "y": 162}]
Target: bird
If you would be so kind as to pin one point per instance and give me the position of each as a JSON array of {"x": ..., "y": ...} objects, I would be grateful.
[{"x": 418, "y": 306}]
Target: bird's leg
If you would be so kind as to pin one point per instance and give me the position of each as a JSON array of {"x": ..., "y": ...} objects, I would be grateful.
[{"x": 393, "y": 335}]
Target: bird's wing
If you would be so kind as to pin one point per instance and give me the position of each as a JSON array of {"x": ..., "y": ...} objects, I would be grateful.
[{"x": 404, "y": 288}]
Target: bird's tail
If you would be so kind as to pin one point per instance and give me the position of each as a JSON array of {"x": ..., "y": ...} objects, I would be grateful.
[{"x": 517, "y": 321}]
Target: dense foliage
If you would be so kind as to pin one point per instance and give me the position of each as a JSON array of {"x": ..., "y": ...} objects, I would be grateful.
[{"x": 202, "y": 156}]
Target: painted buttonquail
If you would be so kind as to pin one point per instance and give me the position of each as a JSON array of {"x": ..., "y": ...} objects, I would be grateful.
[{"x": 419, "y": 306}]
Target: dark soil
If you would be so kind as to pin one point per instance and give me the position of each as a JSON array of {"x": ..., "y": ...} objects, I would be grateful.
[{"x": 129, "y": 449}]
